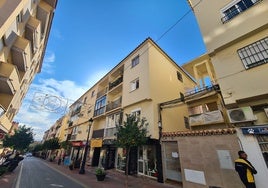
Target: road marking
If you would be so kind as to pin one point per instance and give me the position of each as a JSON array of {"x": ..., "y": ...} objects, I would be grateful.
[
  {"x": 56, "y": 185},
  {"x": 73, "y": 179},
  {"x": 19, "y": 177}
]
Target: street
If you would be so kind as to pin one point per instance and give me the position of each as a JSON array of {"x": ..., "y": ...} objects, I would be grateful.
[
  {"x": 38, "y": 173},
  {"x": 35, "y": 173}
]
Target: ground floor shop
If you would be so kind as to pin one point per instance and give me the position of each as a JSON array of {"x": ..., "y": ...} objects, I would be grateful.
[{"x": 142, "y": 160}]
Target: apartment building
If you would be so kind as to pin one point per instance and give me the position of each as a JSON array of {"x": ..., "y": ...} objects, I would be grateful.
[
  {"x": 194, "y": 156},
  {"x": 235, "y": 35},
  {"x": 136, "y": 85},
  {"x": 24, "y": 32}
]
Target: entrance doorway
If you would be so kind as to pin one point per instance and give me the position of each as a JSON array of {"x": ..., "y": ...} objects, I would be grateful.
[
  {"x": 96, "y": 157},
  {"x": 172, "y": 161},
  {"x": 147, "y": 160}
]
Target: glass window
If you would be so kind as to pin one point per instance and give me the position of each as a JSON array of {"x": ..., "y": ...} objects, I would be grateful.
[
  {"x": 179, "y": 76},
  {"x": 135, "y": 84},
  {"x": 121, "y": 159},
  {"x": 254, "y": 54},
  {"x": 235, "y": 8},
  {"x": 135, "y": 61}
]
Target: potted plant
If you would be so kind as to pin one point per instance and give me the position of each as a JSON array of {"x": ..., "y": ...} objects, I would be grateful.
[{"x": 100, "y": 173}]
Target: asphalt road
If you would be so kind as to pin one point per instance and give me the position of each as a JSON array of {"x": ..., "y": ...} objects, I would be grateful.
[{"x": 35, "y": 173}]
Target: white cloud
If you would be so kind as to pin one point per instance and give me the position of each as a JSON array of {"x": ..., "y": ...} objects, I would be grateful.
[
  {"x": 47, "y": 64},
  {"x": 35, "y": 111},
  {"x": 39, "y": 116}
]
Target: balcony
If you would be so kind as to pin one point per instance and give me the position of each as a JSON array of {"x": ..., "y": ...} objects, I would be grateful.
[
  {"x": 76, "y": 111},
  {"x": 73, "y": 137},
  {"x": 33, "y": 33},
  {"x": 114, "y": 104},
  {"x": 110, "y": 132},
  {"x": 43, "y": 14},
  {"x": 9, "y": 78},
  {"x": 99, "y": 111},
  {"x": 101, "y": 92},
  {"x": 206, "y": 118},
  {"x": 115, "y": 83},
  {"x": 198, "y": 93},
  {"x": 21, "y": 54}
]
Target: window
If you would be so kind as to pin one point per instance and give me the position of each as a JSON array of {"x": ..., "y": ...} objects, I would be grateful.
[
  {"x": 254, "y": 54},
  {"x": 235, "y": 8},
  {"x": 1, "y": 43},
  {"x": 93, "y": 93},
  {"x": 134, "y": 84},
  {"x": 186, "y": 122},
  {"x": 100, "y": 106},
  {"x": 135, "y": 61},
  {"x": 136, "y": 113},
  {"x": 179, "y": 76}
]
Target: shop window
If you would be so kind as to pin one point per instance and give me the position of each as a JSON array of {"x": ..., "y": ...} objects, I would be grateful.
[{"x": 263, "y": 142}]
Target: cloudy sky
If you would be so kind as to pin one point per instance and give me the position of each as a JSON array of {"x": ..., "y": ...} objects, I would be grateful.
[{"x": 88, "y": 38}]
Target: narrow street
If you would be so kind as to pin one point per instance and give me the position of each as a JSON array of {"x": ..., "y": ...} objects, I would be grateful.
[
  {"x": 34, "y": 173},
  {"x": 38, "y": 173}
]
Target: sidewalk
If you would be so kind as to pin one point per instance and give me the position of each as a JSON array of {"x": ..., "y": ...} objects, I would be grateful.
[{"x": 113, "y": 179}]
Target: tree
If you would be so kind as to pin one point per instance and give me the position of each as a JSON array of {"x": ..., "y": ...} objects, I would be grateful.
[
  {"x": 21, "y": 140},
  {"x": 51, "y": 144},
  {"x": 133, "y": 133}
]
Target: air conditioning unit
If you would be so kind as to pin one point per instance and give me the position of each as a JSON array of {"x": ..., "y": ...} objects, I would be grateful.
[
  {"x": 242, "y": 114},
  {"x": 266, "y": 111}
]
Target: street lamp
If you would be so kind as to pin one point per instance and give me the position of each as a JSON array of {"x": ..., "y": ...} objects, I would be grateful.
[
  {"x": 82, "y": 168},
  {"x": 159, "y": 154}
]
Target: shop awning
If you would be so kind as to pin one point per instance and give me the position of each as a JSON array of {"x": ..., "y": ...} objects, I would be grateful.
[{"x": 255, "y": 130}]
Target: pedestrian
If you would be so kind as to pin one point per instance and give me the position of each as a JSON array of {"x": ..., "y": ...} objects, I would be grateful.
[{"x": 245, "y": 170}]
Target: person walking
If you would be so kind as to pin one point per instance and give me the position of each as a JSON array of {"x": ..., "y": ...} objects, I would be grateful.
[{"x": 245, "y": 170}]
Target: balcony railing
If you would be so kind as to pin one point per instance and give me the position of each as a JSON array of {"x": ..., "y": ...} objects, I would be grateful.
[
  {"x": 202, "y": 90},
  {"x": 116, "y": 82},
  {"x": 113, "y": 105},
  {"x": 101, "y": 93},
  {"x": 109, "y": 132},
  {"x": 99, "y": 111},
  {"x": 237, "y": 9},
  {"x": 206, "y": 118}
]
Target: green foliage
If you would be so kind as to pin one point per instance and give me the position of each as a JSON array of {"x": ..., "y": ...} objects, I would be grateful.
[
  {"x": 51, "y": 144},
  {"x": 38, "y": 147},
  {"x": 21, "y": 140},
  {"x": 133, "y": 133},
  {"x": 100, "y": 171}
]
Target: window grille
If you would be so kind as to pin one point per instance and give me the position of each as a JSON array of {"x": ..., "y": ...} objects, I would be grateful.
[{"x": 254, "y": 54}]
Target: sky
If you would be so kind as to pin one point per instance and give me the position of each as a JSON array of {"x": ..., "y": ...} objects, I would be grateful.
[{"x": 89, "y": 38}]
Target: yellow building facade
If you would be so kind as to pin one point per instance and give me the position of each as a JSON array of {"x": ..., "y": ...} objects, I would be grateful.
[
  {"x": 24, "y": 32},
  {"x": 136, "y": 85},
  {"x": 235, "y": 35}
]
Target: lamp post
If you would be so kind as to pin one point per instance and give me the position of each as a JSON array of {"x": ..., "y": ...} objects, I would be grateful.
[
  {"x": 82, "y": 168},
  {"x": 159, "y": 155}
]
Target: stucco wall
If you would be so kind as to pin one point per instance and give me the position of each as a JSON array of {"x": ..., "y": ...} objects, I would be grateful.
[{"x": 199, "y": 153}]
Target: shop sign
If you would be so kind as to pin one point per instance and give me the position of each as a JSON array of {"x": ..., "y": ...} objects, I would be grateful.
[
  {"x": 96, "y": 143},
  {"x": 77, "y": 144},
  {"x": 255, "y": 130}
]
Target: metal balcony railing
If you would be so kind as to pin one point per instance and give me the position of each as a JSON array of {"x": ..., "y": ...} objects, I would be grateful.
[
  {"x": 202, "y": 90},
  {"x": 237, "y": 9},
  {"x": 113, "y": 105}
]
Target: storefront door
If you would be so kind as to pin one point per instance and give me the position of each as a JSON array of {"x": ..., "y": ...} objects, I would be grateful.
[{"x": 172, "y": 161}]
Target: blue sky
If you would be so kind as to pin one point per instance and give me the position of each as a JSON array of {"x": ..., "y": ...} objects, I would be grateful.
[{"x": 89, "y": 38}]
